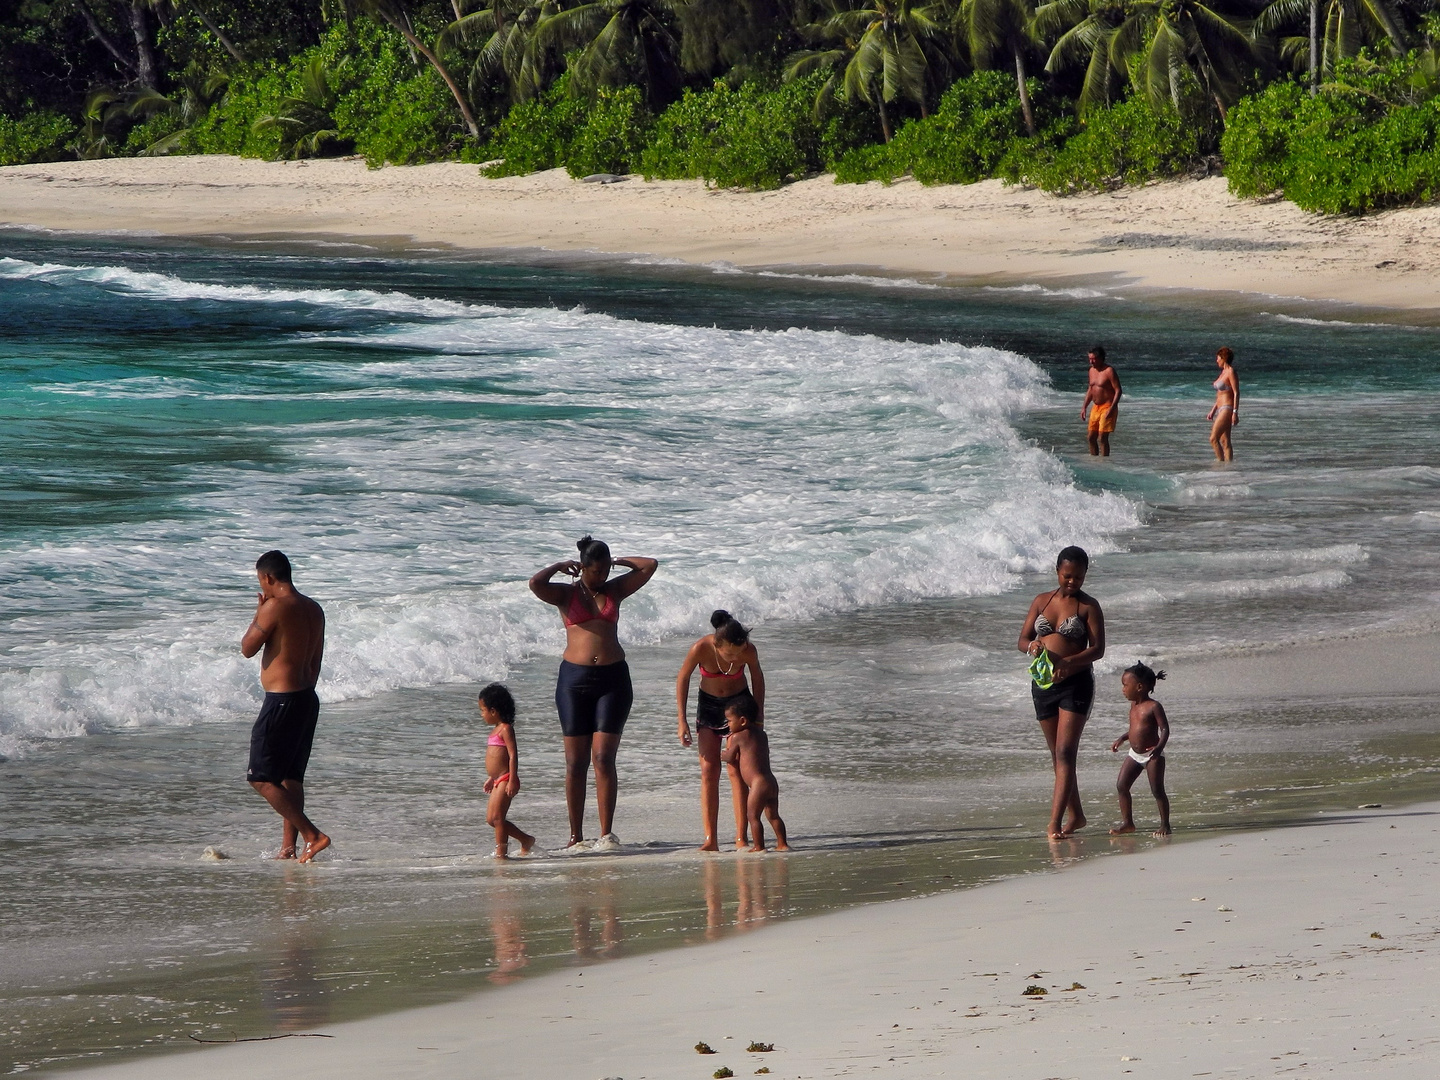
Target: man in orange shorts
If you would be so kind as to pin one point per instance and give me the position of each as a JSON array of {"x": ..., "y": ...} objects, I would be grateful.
[{"x": 1103, "y": 400}]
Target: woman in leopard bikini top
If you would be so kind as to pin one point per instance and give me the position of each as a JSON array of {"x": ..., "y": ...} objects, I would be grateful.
[{"x": 1073, "y": 643}]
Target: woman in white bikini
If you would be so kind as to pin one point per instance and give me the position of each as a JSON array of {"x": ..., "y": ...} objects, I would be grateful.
[
  {"x": 722, "y": 657},
  {"x": 1068, "y": 626},
  {"x": 1226, "y": 411}
]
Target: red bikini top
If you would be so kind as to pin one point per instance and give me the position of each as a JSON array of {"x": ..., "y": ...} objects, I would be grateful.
[{"x": 577, "y": 611}]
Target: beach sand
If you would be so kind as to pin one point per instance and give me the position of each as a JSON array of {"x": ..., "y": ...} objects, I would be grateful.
[
  {"x": 1188, "y": 234},
  {"x": 1305, "y": 951}
]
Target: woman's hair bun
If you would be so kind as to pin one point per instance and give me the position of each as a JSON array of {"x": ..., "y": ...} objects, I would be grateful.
[
  {"x": 584, "y": 542},
  {"x": 719, "y": 617}
]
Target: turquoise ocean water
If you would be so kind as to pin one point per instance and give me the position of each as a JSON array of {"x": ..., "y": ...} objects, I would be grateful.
[{"x": 875, "y": 472}]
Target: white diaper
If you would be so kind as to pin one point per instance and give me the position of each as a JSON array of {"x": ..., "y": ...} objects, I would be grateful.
[{"x": 1142, "y": 759}]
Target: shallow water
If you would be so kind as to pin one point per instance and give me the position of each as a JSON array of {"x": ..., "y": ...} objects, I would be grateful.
[{"x": 874, "y": 473}]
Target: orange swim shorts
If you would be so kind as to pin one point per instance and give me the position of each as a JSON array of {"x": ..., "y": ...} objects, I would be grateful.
[{"x": 1102, "y": 419}]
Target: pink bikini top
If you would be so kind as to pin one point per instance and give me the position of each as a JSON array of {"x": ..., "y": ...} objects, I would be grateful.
[
  {"x": 496, "y": 739},
  {"x": 706, "y": 673},
  {"x": 577, "y": 611}
]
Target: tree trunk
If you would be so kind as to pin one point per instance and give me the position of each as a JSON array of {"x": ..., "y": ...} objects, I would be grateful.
[
  {"x": 884, "y": 119},
  {"x": 1024, "y": 91},
  {"x": 144, "y": 57},
  {"x": 1314, "y": 46},
  {"x": 440, "y": 70},
  {"x": 105, "y": 39},
  {"x": 228, "y": 45}
]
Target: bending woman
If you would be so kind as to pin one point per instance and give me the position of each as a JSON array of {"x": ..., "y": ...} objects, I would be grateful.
[
  {"x": 1226, "y": 410},
  {"x": 722, "y": 658},
  {"x": 1068, "y": 625},
  {"x": 593, "y": 693}
]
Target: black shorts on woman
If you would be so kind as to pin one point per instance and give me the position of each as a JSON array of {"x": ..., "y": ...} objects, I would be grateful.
[
  {"x": 1075, "y": 694},
  {"x": 710, "y": 710},
  {"x": 593, "y": 699}
]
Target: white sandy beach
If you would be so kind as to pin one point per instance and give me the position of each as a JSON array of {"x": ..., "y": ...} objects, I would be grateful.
[
  {"x": 1181, "y": 234},
  {"x": 1306, "y": 951}
]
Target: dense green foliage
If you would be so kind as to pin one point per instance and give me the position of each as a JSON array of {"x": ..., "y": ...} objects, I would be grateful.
[
  {"x": 977, "y": 131},
  {"x": 1369, "y": 139},
  {"x": 1066, "y": 95},
  {"x": 41, "y": 136},
  {"x": 751, "y": 137}
]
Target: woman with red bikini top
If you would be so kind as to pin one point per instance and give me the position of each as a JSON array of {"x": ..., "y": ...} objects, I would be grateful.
[{"x": 722, "y": 658}]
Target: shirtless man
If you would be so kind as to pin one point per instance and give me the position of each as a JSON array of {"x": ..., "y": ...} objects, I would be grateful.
[
  {"x": 291, "y": 628},
  {"x": 1103, "y": 400}
]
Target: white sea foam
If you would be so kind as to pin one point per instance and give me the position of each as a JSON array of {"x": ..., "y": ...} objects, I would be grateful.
[
  {"x": 430, "y": 459},
  {"x": 1230, "y": 589},
  {"x": 1074, "y": 293}
]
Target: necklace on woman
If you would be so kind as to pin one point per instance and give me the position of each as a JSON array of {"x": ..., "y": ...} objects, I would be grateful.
[{"x": 728, "y": 670}]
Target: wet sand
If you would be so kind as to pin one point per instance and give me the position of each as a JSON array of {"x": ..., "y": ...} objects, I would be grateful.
[{"x": 1257, "y": 954}]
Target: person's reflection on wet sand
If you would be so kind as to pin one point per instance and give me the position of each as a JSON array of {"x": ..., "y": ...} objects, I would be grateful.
[
  {"x": 596, "y": 899},
  {"x": 762, "y": 887},
  {"x": 714, "y": 900},
  {"x": 290, "y": 993},
  {"x": 508, "y": 931}
]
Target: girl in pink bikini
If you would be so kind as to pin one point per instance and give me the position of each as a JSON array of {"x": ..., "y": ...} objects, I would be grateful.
[
  {"x": 502, "y": 769},
  {"x": 593, "y": 694},
  {"x": 723, "y": 658}
]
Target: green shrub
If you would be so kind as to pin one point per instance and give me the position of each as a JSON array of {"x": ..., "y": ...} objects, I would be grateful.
[
  {"x": 1349, "y": 161},
  {"x": 752, "y": 137},
  {"x": 1128, "y": 143},
  {"x": 41, "y": 136},
  {"x": 1257, "y": 137},
  {"x": 229, "y": 126},
  {"x": 612, "y": 136},
  {"x": 393, "y": 110},
  {"x": 537, "y": 134},
  {"x": 1368, "y": 140},
  {"x": 976, "y": 127}
]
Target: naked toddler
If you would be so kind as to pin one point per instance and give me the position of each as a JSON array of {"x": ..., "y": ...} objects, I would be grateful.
[{"x": 748, "y": 747}]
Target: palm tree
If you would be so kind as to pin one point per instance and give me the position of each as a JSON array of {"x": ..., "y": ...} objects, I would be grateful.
[
  {"x": 305, "y": 121},
  {"x": 395, "y": 14},
  {"x": 1084, "y": 32},
  {"x": 1165, "y": 38},
  {"x": 511, "y": 47},
  {"x": 619, "y": 42},
  {"x": 1347, "y": 25},
  {"x": 883, "y": 45},
  {"x": 1002, "y": 27}
]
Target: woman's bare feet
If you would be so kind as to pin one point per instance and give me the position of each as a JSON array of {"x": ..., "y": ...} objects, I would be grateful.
[
  {"x": 710, "y": 844},
  {"x": 527, "y": 843},
  {"x": 314, "y": 847},
  {"x": 1077, "y": 822},
  {"x": 781, "y": 845},
  {"x": 502, "y": 852},
  {"x": 1161, "y": 832},
  {"x": 1123, "y": 828},
  {"x": 756, "y": 847},
  {"x": 284, "y": 853}
]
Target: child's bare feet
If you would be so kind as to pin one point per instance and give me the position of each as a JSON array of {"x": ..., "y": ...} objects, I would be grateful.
[
  {"x": 314, "y": 847},
  {"x": 1123, "y": 828}
]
